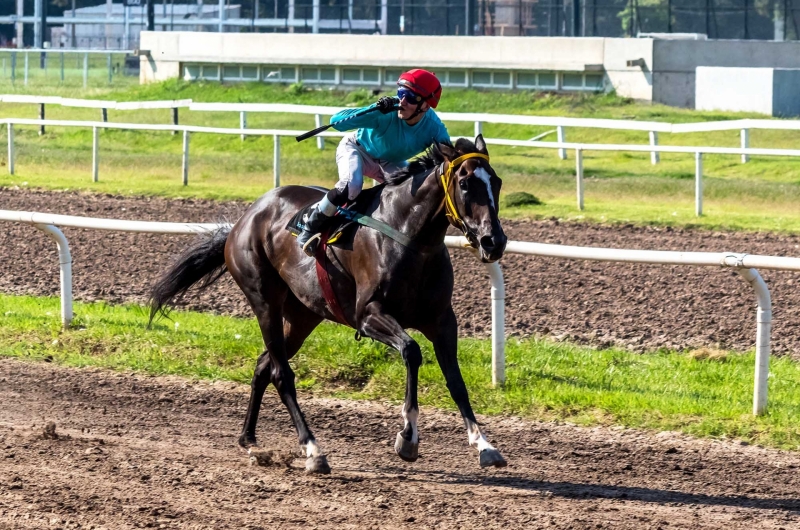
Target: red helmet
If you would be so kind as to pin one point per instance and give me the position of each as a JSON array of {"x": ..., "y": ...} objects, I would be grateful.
[{"x": 423, "y": 83}]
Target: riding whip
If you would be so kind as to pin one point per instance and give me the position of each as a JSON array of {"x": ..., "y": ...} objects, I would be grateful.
[{"x": 318, "y": 130}]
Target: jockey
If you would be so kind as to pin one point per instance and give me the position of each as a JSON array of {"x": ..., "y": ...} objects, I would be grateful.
[{"x": 381, "y": 145}]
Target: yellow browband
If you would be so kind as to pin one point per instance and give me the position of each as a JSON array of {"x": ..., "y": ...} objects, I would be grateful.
[{"x": 450, "y": 206}]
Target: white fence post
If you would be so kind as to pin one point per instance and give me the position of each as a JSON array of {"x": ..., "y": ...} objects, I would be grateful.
[
  {"x": 763, "y": 329},
  {"x": 185, "y": 158},
  {"x": 562, "y": 153},
  {"x": 10, "y": 149},
  {"x": 745, "y": 137},
  {"x": 243, "y": 122},
  {"x": 85, "y": 69},
  {"x": 276, "y": 161},
  {"x": 579, "y": 176},
  {"x": 698, "y": 184},
  {"x": 498, "y": 324},
  {"x": 317, "y": 124},
  {"x": 654, "y": 155},
  {"x": 95, "y": 154},
  {"x": 65, "y": 265},
  {"x": 478, "y": 128}
]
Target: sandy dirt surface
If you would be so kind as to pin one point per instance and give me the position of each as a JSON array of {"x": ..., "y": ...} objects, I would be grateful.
[
  {"x": 97, "y": 449},
  {"x": 635, "y": 306},
  {"x": 151, "y": 452}
]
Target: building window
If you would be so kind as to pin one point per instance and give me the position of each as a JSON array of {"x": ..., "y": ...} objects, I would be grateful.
[
  {"x": 453, "y": 78},
  {"x": 390, "y": 76},
  {"x": 594, "y": 82},
  {"x": 540, "y": 80},
  {"x": 191, "y": 72},
  {"x": 279, "y": 74},
  {"x": 360, "y": 76},
  {"x": 482, "y": 78},
  {"x": 547, "y": 80},
  {"x": 231, "y": 73},
  {"x": 572, "y": 81},
  {"x": 210, "y": 72},
  {"x": 250, "y": 73},
  {"x": 318, "y": 75}
]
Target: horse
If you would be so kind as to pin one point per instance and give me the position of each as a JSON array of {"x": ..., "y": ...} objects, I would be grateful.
[{"x": 383, "y": 286}]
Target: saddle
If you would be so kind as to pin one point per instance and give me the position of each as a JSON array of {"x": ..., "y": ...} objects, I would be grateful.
[{"x": 338, "y": 229}]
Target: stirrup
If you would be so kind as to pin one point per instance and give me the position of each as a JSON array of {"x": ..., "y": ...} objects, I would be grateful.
[{"x": 310, "y": 246}]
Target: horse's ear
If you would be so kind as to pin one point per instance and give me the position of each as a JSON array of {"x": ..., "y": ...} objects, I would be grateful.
[
  {"x": 480, "y": 144},
  {"x": 447, "y": 151}
]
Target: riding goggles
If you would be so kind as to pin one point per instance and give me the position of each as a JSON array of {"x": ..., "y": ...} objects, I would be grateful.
[{"x": 409, "y": 95}]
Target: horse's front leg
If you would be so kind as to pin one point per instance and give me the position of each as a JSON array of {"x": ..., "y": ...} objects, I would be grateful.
[
  {"x": 384, "y": 328},
  {"x": 444, "y": 336}
]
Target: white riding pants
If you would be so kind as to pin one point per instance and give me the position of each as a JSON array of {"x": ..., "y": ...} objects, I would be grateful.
[{"x": 354, "y": 162}]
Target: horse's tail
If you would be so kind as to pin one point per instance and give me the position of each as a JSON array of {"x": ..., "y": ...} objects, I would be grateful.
[{"x": 203, "y": 262}]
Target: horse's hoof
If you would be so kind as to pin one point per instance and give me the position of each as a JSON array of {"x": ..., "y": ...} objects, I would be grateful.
[
  {"x": 318, "y": 465},
  {"x": 246, "y": 442},
  {"x": 492, "y": 457},
  {"x": 408, "y": 451}
]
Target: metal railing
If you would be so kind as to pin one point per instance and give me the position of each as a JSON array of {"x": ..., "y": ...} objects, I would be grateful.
[
  {"x": 745, "y": 264},
  {"x": 561, "y": 146}
]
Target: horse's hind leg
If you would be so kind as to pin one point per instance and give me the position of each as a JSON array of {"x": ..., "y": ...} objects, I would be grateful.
[
  {"x": 384, "y": 328},
  {"x": 267, "y": 294},
  {"x": 298, "y": 324},
  {"x": 444, "y": 336}
]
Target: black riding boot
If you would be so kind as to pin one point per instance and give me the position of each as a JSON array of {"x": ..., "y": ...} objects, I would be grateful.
[{"x": 309, "y": 238}]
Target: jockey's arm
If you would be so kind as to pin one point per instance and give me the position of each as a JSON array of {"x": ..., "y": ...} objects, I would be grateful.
[{"x": 366, "y": 121}]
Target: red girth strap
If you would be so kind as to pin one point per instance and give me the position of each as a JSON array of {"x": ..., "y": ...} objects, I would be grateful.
[{"x": 325, "y": 280}]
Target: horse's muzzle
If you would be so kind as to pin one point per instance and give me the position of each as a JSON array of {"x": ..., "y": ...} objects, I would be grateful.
[{"x": 492, "y": 247}]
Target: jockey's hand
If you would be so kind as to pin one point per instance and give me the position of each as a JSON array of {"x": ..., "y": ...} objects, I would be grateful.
[{"x": 386, "y": 104}]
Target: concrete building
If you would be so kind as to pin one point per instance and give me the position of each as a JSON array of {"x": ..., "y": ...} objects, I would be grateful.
[
  {"x": 770, "y": 91},
  {"x": 651, "y": 69}
]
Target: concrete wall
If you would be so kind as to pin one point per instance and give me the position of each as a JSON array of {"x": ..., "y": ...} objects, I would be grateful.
[
  {"x": 675, "y": 62},
  {"x": 560, "y": 54},
  {"x": 381, "y": 50},
  {"x": 734, "y": 89}
]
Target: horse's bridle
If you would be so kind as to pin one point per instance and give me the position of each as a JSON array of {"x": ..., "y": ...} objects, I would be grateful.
[{"x": 447, "y": 181}]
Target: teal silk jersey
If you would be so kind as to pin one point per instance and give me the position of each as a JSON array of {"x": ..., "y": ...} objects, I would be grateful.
[{"x": 387, "y": 137}]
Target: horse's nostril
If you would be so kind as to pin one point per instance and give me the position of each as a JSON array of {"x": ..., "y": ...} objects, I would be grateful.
[{"x": 487, "y": 243}]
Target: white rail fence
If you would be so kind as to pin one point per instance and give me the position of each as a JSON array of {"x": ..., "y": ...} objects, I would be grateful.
[
  {"x": 560, "y": 123},
  {"x": 745, "y": 264},
  {"x": 579, "y": 148}
]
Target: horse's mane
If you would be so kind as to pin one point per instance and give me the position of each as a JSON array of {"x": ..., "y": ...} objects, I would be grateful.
[{"x": 433, "y": 157}]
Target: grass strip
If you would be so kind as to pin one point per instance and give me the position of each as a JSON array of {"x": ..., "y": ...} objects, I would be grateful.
[{"x": 706, "y": 396}]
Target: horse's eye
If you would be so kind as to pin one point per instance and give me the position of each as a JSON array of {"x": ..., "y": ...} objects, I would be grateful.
[{"x": 463, "y": 184}]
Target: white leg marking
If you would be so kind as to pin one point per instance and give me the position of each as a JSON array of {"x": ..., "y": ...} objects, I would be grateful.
[
  {"x": 484, "y": 176},
  {"x": 410, "y": 417},
  {"x": 311, "y": 449},
  {"x": 477, "y": 439}
]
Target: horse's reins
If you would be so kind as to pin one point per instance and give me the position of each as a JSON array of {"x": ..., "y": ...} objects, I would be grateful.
[{"x": 447, "y": 181}]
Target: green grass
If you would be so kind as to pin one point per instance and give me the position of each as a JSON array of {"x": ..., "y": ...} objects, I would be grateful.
[
  {"x": 620, "y": 187},
  {"x": 662, "y": 391}
]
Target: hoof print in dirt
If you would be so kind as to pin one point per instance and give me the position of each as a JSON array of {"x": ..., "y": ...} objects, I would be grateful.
[
  {"x": 492, "y": 457},
  {"x": 270, "y": 458},
  {"x": 318, "y": 465},
  {"x": 408, "y": 451},
  {"x": 49, "y": 431}
]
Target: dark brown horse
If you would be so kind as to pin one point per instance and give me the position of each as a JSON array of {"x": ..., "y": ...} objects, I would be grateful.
[{"x": 383, "y": 287}]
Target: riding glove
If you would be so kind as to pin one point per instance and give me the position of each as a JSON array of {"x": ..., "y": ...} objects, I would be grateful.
[{"x": 386, "y": 104}]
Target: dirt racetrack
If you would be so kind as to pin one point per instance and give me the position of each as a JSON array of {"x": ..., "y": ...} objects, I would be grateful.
[
  {"x": 135, "y": 451},
  {"x": 636, "y": 306}
]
